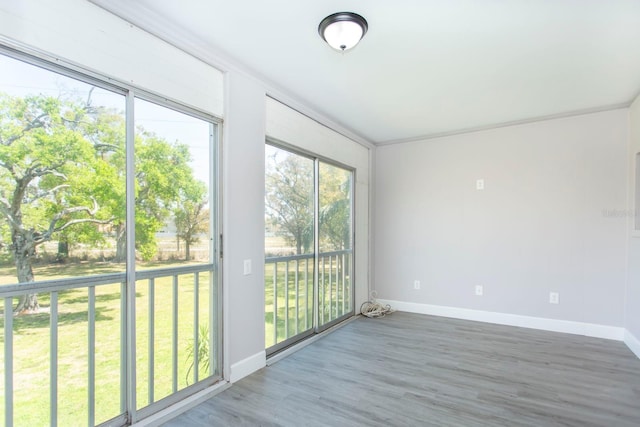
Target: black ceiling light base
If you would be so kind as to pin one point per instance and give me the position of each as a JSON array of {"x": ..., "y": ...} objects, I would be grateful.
[{"x": 343, "y": 30}]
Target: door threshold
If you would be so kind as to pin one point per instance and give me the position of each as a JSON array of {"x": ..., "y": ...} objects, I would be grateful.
[{"x": 276, "y": 357}]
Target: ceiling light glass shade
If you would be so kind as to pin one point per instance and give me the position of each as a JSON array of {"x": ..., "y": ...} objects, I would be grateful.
[{"x": 343, "y": 30}]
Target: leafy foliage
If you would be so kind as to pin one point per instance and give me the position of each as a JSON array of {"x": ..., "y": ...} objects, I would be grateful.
[
  {"x": 49, "y": 169},
  {"x": 335, "y": 208},
  {"x": 289, "y": 200},
  {"x": 62, "y": 177},
  {"x": 202, "y": 350},
  {"x": 191, "y": 217}
]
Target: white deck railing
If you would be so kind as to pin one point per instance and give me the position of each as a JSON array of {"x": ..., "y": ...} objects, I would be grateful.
[
  {"x": 290, "y": 295},
  {"x": 188, "y": 276}
]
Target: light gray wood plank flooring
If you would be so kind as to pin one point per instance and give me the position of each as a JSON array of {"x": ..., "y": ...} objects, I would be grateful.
[{"x": 416, "y": 370}]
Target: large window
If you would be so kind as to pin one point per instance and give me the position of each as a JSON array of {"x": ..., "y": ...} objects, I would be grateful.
[
  {"x": 308, "y": 246},
  {"x": 107, "y": 232}
]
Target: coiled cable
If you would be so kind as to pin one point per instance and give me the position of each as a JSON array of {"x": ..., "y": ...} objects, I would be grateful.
[{"x": 374, "y": 309}]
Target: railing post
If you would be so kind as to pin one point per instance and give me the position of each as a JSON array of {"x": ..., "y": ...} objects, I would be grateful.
[
  {"x": 337, "y": 286},
  {"x": 336, "y": 281},
  {"x": 123, "y": 347},
  {"x": 91, "y": 395},
  {"x": 275, "y": 303},
  {"x": 330, "y": 287},
  {"x": 306, "y": 294},
  {"x": 322, "y": 290},
  {"x": 214, "y": 322},
  {"x": 8, "y": 361},
  {"x": 344, "y": 294},
  {"x": 297, "y": 296},
  {"x": 151, "y": 283},
  {"x": 174, "y": 337},
  {"x": 196, "y": 311},
  {"x": 286, "y": 300},
  {"x": 53, "y": 359}
]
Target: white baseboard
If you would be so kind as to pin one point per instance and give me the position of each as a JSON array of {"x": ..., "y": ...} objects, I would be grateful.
[
  {"x": 554, "y": 325},
  {"x": 248, "y": 366},
  {"x": 632, "y": 342}
]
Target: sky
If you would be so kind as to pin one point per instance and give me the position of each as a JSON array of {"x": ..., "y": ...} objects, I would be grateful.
[{"x": 19, "y": 79}]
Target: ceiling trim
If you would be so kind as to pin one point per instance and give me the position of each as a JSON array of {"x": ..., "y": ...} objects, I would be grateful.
[
  {"x": 156, "y": 25},
  {"x": 507, "y": 124}
]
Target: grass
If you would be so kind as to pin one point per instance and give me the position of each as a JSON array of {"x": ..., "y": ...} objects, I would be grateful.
[{"x": 31, "y": 345}]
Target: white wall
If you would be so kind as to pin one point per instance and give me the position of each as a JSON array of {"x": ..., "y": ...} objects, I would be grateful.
[
  {"x": 633, "y": 282},
  {"x": 541, "y": 224},
  {"x": 243, "y": 223},
  {"x": 82, "y": 33}
]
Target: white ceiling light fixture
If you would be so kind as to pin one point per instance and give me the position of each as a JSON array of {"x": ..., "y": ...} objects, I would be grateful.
[{"x": 343, "y": 30}]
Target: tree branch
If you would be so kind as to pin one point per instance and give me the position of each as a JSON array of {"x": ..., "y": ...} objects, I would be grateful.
[
  {"x": 84, "y": 220},
  {"x": 46, "y": 236},
  {"x": 5, "y": 209},
  {"x": 99, "y": 145},
  {"x": 36, "y": 170},
  {"x": 34, "y": 124},
  {"x": 47, "y": 193}
]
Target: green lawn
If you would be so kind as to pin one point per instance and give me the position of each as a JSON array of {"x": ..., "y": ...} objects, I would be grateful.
[{"x": 31, "y": 345}]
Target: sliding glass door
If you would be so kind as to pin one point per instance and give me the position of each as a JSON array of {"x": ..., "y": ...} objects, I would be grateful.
[
  {"x": 308, "y": 246},
  {"x": 335, "y": 249},
  {"x": 109, "y": 278},
  {"x": 289, "y": 246}
]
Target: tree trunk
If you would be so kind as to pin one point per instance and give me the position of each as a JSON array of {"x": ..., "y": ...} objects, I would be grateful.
[
  {"x": 298, "y": 237},
  {"x": 24, "y": 250},
  {"x": 63, "y": 251},
  {"x": 187, "y": 250},
  {"x": 121, "y": 243},
  {"x": 27, "y": 304}
]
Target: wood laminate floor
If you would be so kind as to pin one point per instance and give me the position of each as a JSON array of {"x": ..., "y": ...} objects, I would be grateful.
[{"x": 417, "y": 370}]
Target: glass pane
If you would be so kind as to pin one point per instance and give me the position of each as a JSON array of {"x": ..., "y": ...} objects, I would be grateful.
[
  {"x": 62, "y": 181},
  {"x": 173, "y": 310},
  {"x": 173, "y": 165},
  {"x": 289, "y": 244},
  {"x": 62, "y": 173},
  {"x": 176, "y": 311},
  {"x": 335, "y": 242},
  {"x": 289, "y": 203}
]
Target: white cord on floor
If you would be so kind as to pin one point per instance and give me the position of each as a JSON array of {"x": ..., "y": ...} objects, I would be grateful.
[{"x": 374, "y": 309}]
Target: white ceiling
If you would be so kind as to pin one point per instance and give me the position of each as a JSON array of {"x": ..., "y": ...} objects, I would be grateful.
[{"x": 426, "y": 67}]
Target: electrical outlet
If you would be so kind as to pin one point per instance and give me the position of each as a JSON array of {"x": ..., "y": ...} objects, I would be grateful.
[
  {"x": 554, "y": 298},
  {"x": 480, "y": 184},
  {"x": 416, "y": 284},
  {"x": 479, "y": 290}
]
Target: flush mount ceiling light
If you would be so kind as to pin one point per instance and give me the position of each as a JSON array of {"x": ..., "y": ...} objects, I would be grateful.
[{"x": 343, "y": 30}]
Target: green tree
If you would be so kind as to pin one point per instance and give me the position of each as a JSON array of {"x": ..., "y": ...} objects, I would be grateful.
[
  {"x": 163, "y": 177},
  {"x": 162, "y": 171},
  {"x": 191, "y": 216},
  {"x": 289, "y": 198},
  {"x": 52, "y": 176},
  {"x": 335, "y": 208},
  {"x": 62, "y": 177}
]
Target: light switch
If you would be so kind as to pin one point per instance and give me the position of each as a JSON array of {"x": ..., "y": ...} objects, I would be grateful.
[
  {"x": 480, "y": 184},
  {"x": 247, "y": 267}
]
